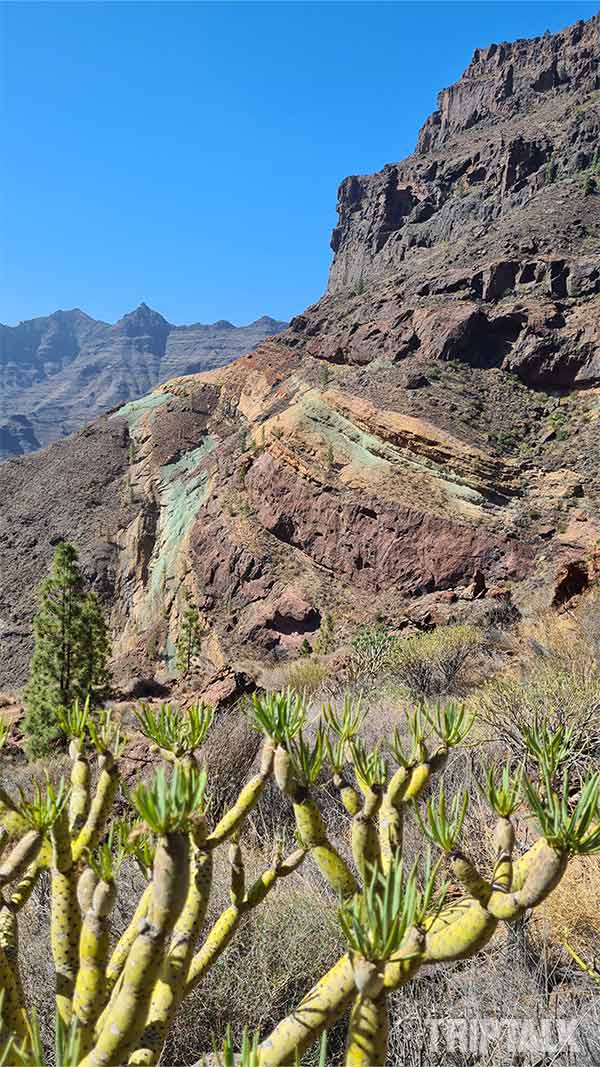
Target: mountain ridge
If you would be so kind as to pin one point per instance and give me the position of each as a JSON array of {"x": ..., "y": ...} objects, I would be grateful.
[{"x": 59, "y": 371}]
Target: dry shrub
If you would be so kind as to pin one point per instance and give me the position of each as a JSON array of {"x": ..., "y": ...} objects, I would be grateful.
[
  {"x": 571, "y": 637},
  {"x": 306, "y": 675},
  {"x": 502, "y": 982},
  {"x": 571, "y": 911},
  {"x": 548, "y": 691},
  {"x": 230, "y": 751},
  {"x": 19, "y": 775}
]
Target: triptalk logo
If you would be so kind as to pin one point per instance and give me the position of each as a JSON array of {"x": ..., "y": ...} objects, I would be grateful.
[{"x": 524, "y": 1040}]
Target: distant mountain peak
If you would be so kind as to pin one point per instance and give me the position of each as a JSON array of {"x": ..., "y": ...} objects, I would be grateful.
[
  {"x": 143, "y": 311},
  {"x": 97, "y": 365},
  {"x": 266, "y": 320}
]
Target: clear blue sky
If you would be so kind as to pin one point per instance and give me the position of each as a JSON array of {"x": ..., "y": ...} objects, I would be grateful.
[{"x": 189, "y": 154}]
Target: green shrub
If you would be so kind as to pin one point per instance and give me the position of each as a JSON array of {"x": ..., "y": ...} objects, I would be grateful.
[
  {"x": 371, "y": 650},
  {"x": 189, "y": 638},
  {"x": 550, "y": 172},
  {"x": 325, "y": 641},
  {"x": 433, "y": 663}
]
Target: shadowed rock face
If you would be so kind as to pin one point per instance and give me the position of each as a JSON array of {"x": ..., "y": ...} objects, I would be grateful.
[
  {"x": 419, "y": 445},
  {"x": 59, "y": 372}
]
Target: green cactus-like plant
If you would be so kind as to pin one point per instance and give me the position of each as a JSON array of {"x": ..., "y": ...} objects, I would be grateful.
[
  {"x": 177, "y": 734},
  {"x": 116, "y": 1002},
  {"x": 280, "y": 716}
]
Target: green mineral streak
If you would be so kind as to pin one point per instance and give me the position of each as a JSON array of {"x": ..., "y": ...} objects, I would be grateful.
[
  {"x": 362, "y": 448},
  {"x": 136, "y": 409},
  {"x": 463, "y": 492},
  {"x": 367, "y": 450},
  {"x": 182, "y": 490}
]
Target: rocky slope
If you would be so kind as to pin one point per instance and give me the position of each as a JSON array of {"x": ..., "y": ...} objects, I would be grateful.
[
  {"x": 422, "y": 444},
  {"x": 59, "y": 372}
]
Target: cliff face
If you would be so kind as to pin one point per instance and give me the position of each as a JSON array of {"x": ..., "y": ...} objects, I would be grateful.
[
  {"x": 420, "y": 445},
  {"x": 487, "y": 173},
  {"x": 59, "y": 372}
]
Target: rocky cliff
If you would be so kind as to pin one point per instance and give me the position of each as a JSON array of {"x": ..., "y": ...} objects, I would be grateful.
[
  {"x": 420, "y": 445},
  {"x": 489, "y": 173},
  {"x": 59, "y": 372}
]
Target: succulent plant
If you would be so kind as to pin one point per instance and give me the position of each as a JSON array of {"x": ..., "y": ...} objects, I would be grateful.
[{"x": 117, "y": 1006}]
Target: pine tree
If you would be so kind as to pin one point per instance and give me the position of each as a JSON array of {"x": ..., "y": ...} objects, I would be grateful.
[
  {"x": 70, "y": 654},
  {"x": 95, "y": 651},
  {"x": 325, "y": 638},
  {"x": 189, "y": 640}
]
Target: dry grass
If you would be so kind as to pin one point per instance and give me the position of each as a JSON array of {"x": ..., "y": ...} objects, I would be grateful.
[
  {"x": 571, "y": 912},
  {"x": 571, "y": 637},
  {"x": 8, "y": 700},
  {"x": 306, "y": 675}
]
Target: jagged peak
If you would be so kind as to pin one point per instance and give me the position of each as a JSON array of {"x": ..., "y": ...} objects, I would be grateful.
[
  {"x": 145, "y": 317},
  {"x": 143, "y": 310}
]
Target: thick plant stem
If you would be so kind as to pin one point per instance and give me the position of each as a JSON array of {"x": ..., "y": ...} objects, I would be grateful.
[
  {"x": 236, "y": 815},
  {"x": 470, "y": 879},
  {"x": 91, "y": 832},
  {"x": 223, "y": 930},
  {"x": 90, "y": 987},
  {"x": 390, "y": 833},
  {"x": 318, "y": 1011},
  {"x": 419, "y": 779},
  {"x": 504, "y": 837},
  {"x": 125, "y": 1020},
  {"x": 348, "y": 795},
  {"x": 13, "y": 1014},
  {"x": 313, "y": 836},
  {"x": 79, "y": 801},
  {"x": 21, "y": 893},
  {"x": 526, "y": 862},
  {"x": 19, "y": 896},
  {"x": 122, "y": 948},
  {"x": 116, "y": 964},
  {"x": 405, "y": 963},
  {"x": 459, "y": 932},
  {"x": 541, "y": 875},
  {"x": 21, "y": 856},
  {"x": 65, "y": 917},
  {"x": 366, "y": 1045},
  {"x": 9, "y": 930},
  {"x": 217, "y": 940},
  {"x": 171, "y": 984},
  {"x": 365, "y": 839}
]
